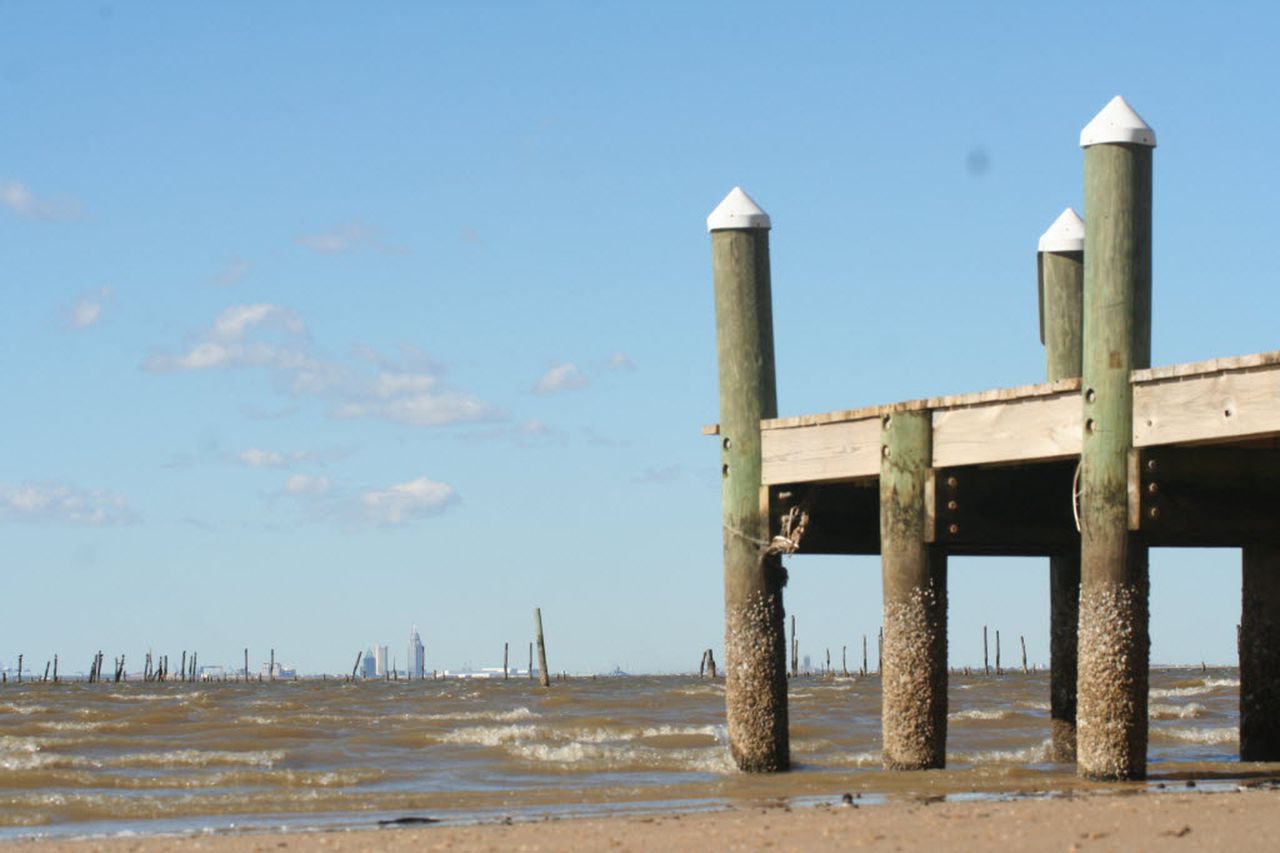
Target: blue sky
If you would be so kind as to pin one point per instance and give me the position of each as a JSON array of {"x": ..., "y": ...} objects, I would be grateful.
[{"x": 318, "y": 322}]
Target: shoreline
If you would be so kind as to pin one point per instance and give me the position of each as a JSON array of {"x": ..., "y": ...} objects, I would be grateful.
[{"x": 1247, "y": 818}]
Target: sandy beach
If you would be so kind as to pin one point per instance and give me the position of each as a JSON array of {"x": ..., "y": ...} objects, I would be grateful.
[{"x": 1237, "y": 820}]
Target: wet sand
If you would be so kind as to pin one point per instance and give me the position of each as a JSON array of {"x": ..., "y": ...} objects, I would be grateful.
[{"x": 1239, "y": 820}]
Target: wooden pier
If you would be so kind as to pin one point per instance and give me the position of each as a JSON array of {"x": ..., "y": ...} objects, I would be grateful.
[{"x": 1106, "y": 459}]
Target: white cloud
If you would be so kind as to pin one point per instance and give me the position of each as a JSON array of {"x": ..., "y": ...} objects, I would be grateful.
[
  {"x": 620, "y": 361},
  {"x": 87, "y": 310},
  {"x": 348, "y": 238},
  {"x": 562, "y": 377},
  {"x": 15, "y": 196},
  {"x": 255, "y": 458},
  {"x": 56, "y": 502},
  {"x": 261, "y": 335},
  {"x": 406, "y": 502},
  {"x": 233, "y": 273},
  {"x": 304, "y": 484}
]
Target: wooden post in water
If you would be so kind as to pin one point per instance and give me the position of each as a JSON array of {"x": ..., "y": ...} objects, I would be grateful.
[
  {"x": 55, "y": 669},
  {"x": 986, "y": 664},
  {"x": 506, "y": 649},
  {"x": 999, "y": 669},
  {"x": 795, "y": 649},
  {"x": 914, "y": 686},
  {"x": 1023, "y": 641},
  {"x": 19, "y": 669},
  {"x": 755, "y": 641},
  {"x": 271, "y": 667},
  {"x": 542, "y": 648},
  {"x": 530, "y": 669},
  {"x": 1111, "y": 737},
  {"x": 864, "y": 655},
  {"x": 844, "y": 661},
  {"x": 711, "y": 664},
  {"x": 1259, "y": 641},
  {"x": 246, "y": 666},
  {"x": 1060, "y": 261}
]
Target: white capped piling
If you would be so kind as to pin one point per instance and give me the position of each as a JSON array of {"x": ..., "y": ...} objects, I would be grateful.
[
  {"x": 1060, "y": 266},
  {"x": 755, "y": 642},
  {"x": 1111, "y": 736},
  {"x": 914, "y": 678}
]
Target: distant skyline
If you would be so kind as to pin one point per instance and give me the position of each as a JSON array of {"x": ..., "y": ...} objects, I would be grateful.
[{"x": 316, "y": 321}]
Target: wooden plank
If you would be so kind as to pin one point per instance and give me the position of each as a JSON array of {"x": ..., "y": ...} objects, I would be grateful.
[
  {"x": 1035, "y": 428},
  {"x": 837, "y": 451},
  {"x": 1209, "y": 407},
  {"x": 953, "y": 401},
  {"x": 1213, "y": 365}
]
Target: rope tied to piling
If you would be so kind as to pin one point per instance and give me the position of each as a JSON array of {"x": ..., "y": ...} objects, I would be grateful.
[
  {"x": 792, "y": 526},
  {"x": 1075, "y": 495}
]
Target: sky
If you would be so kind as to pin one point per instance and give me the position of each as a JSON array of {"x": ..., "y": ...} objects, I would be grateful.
[{"x": 321, "y": 321}]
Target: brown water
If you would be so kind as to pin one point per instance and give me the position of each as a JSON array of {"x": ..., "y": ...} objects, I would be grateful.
[{"x": 81, "y": 759}]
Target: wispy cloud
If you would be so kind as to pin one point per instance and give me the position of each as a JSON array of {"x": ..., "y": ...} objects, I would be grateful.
[
  {"x": 410, "y": 390},
  {"x": 261, "y": 335},
  {"x": 405, "y": 502},
  {"x": 255, "y": 458},
  {"x": 18, "y": 198},
  {"x": 57, "y": 502},
  {"x": 620, "y": 361},
  {"x": 349, "y": 238},
  {"x": 87, "y": 310},
  {"x": 565, "y": 376},
  {"x": 233, "y": 273},
  {"x": 306, "y": 484}
]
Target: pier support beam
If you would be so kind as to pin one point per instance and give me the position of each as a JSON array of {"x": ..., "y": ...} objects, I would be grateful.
[
  {"x": 1061, "y": 272},
  {"x": 1260, "y": 654},
  {"x": 755, "y": 644},
  {"x": 914, "y": 675},
  {"x": 1114, "y": 644}
]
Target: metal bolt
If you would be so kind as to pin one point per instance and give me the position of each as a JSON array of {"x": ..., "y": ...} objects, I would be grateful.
[
  {"x": 727, "y": 443},
  {"x": 954, "y": 529},
  {"x": 1152, "y": 465},
  {"x": 1089, "y": 396},
  {"x": 951, "y": 505},
  {"x": 1152, "y": 488},
  {"x": 1154, "y": 512},
  {"x": 952, "y": 482}
]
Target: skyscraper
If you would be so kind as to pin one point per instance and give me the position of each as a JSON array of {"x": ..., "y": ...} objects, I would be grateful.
[
  {"x": 416, "y": 662},
  {"x": 380, "y": 661},
  {"x": 367, "y": 666}
]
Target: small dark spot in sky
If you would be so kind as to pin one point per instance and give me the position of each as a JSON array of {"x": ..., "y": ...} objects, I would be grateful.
[
  {"x": 977, "y": 161},
  {"x": 106, "y": 11}
]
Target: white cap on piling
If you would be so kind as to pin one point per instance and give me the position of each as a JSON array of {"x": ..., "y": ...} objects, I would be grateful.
[
  {"x": 1066, "y": 234},
  {"x": 738, "y": 212},
  {"x": 1118, "y": 122}
]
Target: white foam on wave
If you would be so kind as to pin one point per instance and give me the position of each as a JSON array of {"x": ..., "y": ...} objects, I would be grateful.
[
  {"x": 1036, "y": 706},
  {"x": 603, "y": 757},
  {"x": 490, "y": 735},
  {"x": 15, "y": 708},
  {"x": 67, "y": 726},
  {"x": 1033, "y": 754},
  {"x": 197, "y": 758},
  {"x": 1212, "y": 736},
  {"x": 510, "y": 716},
  {"x": 1189, "y": 711},
  {"x": 980, "y": 714},
  {"x": 1208, "y": 686}
]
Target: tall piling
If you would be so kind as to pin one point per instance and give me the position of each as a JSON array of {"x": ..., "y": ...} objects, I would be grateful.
[
  {"x": 914, "y": 677},
  {"x": 1259, "y": 639},
  {"x": 1114, "y": 645},
  {"x": 755, "y": 642},
  {"x": 1060, "y": 260},
  {"x": 543, "y": 676}
]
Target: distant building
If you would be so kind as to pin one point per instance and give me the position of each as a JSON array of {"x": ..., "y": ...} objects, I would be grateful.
[
  {"x": 281, "y": 673},
  {"x": 368, "y": 668},
  {"x": 417, "y": 659},
  {"x": 380, "y": 669}
]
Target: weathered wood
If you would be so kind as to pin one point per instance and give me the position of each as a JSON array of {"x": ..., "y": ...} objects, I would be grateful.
[
  {"x": 543, "y": 676},
  {"x": 1036, "y": 428},
  {"x": 837, "y": 451},
  {"x": 755, "y": 651},
  {"x": 506, "y": 650},
  {"x": 999, "y": 668},
  {"x": 1013, "y": 510},
  {"x": 1113, "y": 645},
  {"x": 1023, "y": 641},
  {"x": 1222, "y": 406},
  {"x": 1062, "y": 277},
  {"x": 986, "y": 661},
  {"x": 354, "y": 669},
  {"x": 1204, "y": 496},
  {"x": 1259, "y": 640},
  {"x": 914, "y": 684}
]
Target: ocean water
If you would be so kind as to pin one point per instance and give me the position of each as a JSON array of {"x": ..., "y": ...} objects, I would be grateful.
[{"x": 89, "y": 759}]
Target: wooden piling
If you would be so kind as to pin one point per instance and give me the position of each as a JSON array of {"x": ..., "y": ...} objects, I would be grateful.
[
  {"x": 19, "y": 669},
  {"x": 864, "y": 655},
  {"x": 271, "y": 667},
  {"x": 1060, "y": 260},
  {"x": 986, "y": 662},
  {"x": 702, "y": 665},
  {"x": 1023, "y": 641},
  {"x": 711, "y": 664},
  {"x": 1259, "y": 640},
  {"x": 914, "y": 691},
  {"x": 795, "y": 649},
  {"x": 999, "y": 668},
  {"x": 544, "y": 677},
  {"x": 55, "y": 669},
  {"x": 1114, "y": 645},
  {"x": 844, "y": 661},
  {"x": 246, "y": 666},
  {"x": 530, "y": 669},
  {"x": 506, "y": 649},
  {"x": 755, "y": 642}
]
